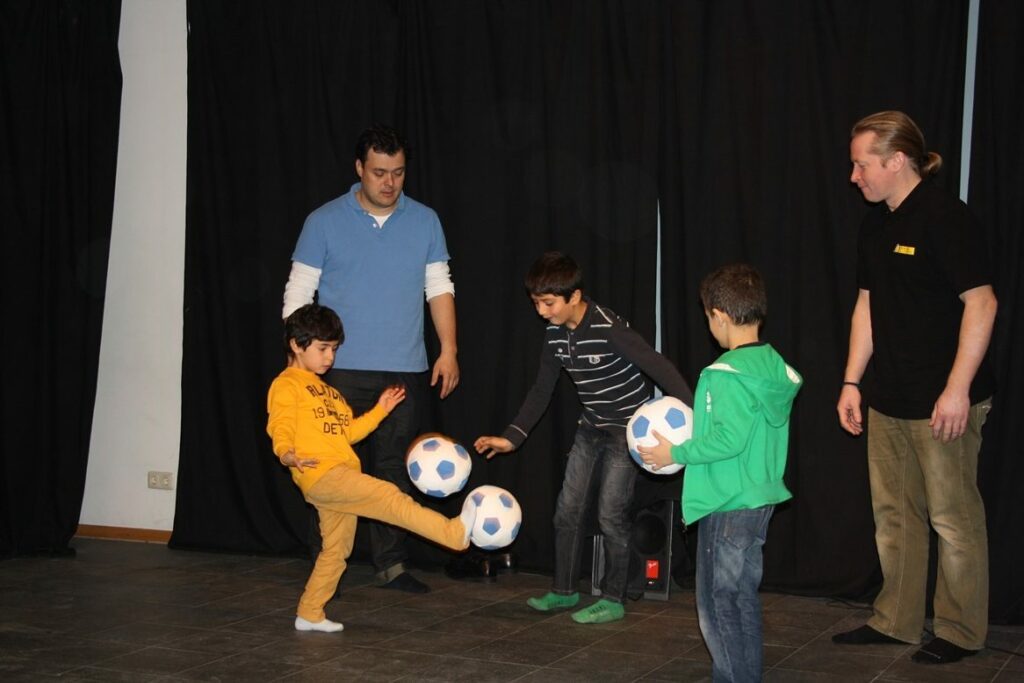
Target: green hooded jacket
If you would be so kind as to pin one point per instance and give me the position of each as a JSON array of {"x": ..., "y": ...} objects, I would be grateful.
[{"x": 737, "y": 456}]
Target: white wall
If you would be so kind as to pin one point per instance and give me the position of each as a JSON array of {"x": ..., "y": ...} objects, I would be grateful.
[{"x": 137, "y": 419}]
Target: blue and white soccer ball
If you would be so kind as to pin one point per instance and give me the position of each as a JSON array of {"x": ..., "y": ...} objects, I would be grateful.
[
  {"x": 498, "y": 517},
  {"x": 668, "y": 416},
  {"x": 438, "y": 466}
]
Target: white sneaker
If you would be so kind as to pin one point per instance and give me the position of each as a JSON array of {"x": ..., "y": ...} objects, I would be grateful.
[{"x": 325, "y": 626}]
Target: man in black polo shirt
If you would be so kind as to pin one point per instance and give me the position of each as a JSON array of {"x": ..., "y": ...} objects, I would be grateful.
[{"x": 923, "y": 319}]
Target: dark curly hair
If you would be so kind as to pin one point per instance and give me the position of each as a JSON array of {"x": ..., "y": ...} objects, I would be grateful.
[
  {"x": 738, "y": 290},
  {"x": 381, "y": 139},
  {"x": 554, "y": 273},
  {"x": 310, "y": 322}
]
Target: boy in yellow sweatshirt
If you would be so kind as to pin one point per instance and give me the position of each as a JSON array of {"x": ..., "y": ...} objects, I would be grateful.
[{"x": 312, "y": 428}]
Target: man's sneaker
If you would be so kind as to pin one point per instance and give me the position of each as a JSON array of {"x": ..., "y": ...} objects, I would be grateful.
[
  {"x": 864, "y": 635},
  {"x": 601, "y": 612},
  {"x": 407, "y": 583},
  {"x": 553, "y": 601},
  {"x": 941, "y": 651},
  {"x": 473, "y": 566}
]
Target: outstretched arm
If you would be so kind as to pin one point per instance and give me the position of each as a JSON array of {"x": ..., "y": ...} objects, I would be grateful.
[
  {"x": 360, "y": 427},
  {"x": 492, "y": 445},
  {"x": 391, "y": 397}
]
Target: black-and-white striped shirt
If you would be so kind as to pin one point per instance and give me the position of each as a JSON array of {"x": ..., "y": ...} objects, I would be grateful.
[{"x": 611, "y": 365}]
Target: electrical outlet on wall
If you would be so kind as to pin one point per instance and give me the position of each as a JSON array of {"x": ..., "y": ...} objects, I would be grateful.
[{"x": 160, "y": 480}]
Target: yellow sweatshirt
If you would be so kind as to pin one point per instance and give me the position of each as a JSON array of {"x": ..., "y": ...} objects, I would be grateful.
[{"x": 311, "y": 417}]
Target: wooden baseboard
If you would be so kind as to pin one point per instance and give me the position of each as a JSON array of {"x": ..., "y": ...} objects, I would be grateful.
[{"x": 121, "y": 533}]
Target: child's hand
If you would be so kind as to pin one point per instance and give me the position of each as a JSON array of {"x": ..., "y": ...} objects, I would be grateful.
[
  {"x": 496, "y": 444},
  {"x": 657, "y": 456},
  {"x": 391, "y": 397},
  {"x": 292, "y": 460}
]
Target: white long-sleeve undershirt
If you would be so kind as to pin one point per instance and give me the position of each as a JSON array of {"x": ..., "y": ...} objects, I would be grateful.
[{"x": 304, "y": 280}]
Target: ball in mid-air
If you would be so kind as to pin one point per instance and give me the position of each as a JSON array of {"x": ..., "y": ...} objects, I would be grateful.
[
  {"x": 498, "y": 517},
  {"x": 438, "y": 466}
]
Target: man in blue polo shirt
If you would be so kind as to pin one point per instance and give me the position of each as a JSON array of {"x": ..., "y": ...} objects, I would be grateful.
[{"x": 373, "y": 254}]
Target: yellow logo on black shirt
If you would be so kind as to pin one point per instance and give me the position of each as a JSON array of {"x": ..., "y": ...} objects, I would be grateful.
[{"x": 903, "y": 249}]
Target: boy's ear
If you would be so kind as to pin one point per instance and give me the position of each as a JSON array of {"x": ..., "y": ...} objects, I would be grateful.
[
  {"x": 576, "y": 297},
  {"x": 294, "y": 346},
  {"x": 719, "y": 317}
]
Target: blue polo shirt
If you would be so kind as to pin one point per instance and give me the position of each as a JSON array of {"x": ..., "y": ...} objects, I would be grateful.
[{"x": 373, "y": 278}]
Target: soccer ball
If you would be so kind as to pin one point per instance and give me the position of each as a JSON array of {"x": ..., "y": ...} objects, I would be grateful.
[
  {"x": 668, "y": 416},
  {"x": 498, "y": 517},
  {"x": 438, "y": 466}
]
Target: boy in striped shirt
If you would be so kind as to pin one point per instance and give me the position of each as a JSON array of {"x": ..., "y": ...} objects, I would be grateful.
[{"x": 613, "y": 368}]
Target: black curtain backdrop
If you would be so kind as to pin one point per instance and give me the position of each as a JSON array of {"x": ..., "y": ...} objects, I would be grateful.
[
  {"x": 757, "y": 169},
  {"x": 997, "y": 174},
  {"x": 565, "y": 125},
  {"x": 60, "y": 102},
  {"x": 496, "y": 102}
]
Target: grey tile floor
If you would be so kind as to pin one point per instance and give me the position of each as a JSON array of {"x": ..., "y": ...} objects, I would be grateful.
[{"x": 123, "y": 611}]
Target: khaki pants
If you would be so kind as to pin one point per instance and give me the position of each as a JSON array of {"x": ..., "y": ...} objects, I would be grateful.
[
  {"x": 343, "y": 495},
  {"x": 917, "y": 481}
]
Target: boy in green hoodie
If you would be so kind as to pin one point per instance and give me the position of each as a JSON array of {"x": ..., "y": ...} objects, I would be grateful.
[{"x": 735, "y": 462}]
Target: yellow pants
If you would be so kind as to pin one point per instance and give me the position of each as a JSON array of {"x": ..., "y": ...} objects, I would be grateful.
[{"x": 341, "y": 497}]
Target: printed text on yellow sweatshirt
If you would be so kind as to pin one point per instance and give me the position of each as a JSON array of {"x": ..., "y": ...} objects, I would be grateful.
[{"x": 310, "y": 416}]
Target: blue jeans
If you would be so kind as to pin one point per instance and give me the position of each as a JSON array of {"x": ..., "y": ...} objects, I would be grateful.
[
  {"x": 598, "y": 468},
  {"x": 382, "y": 453},
  {"x": 729, "y": 568}
]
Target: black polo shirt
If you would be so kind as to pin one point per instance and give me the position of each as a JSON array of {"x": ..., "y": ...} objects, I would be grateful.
[{"x": 915, "y": 262}]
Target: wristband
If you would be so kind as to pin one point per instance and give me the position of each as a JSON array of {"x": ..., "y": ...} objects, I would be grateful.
[{"x": 852, "y": 384}]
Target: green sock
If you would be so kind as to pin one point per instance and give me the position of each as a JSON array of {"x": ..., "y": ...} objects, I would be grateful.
[
  {"x": 601, "y": 612},
  {"x": 553, "y": 601}
]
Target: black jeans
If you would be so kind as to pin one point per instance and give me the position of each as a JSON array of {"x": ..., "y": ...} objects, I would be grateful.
[
  {"x": 600, "y": 469},
  {"x": 382, "y": 453}
]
